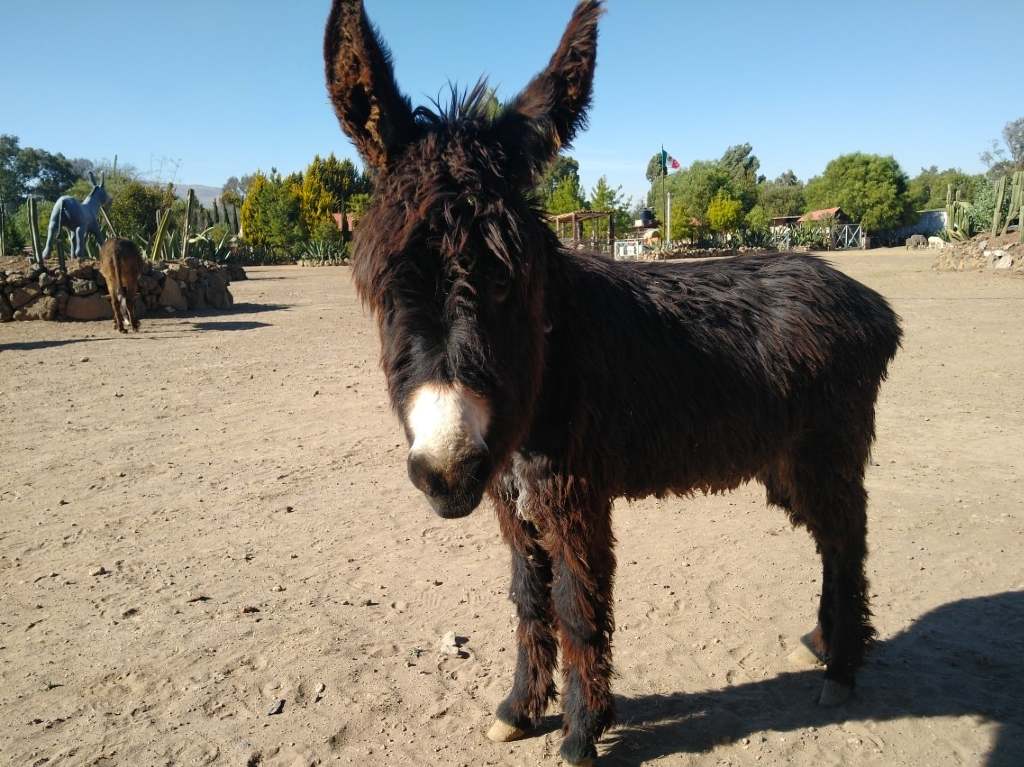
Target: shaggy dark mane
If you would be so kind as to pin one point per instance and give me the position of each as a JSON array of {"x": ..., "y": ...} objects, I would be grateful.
[{"x": 462, "y": 106}]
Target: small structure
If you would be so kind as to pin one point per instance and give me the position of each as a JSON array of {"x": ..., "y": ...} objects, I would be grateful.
[
  {"x": 639, "y": 242},
  {"x": 827, "y": 228},
  {"x": 825, "y": 214},
  {"x": 569, "y": 228}
]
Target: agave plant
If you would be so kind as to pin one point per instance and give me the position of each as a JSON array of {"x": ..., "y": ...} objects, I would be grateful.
[{"x": 325, "y": 253}]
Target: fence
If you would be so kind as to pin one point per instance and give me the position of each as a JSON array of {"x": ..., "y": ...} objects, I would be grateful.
[{"x": 827, "y": 236}]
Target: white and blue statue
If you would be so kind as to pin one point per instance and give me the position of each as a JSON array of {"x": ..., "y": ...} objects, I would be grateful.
[{"x": 80, "y": 218}]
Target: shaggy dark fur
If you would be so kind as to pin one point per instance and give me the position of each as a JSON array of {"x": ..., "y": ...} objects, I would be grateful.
[{"x": 604, "y": 379}]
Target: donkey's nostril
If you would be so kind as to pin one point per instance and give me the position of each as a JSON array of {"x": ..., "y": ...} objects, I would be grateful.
[{"x": 425, "y": 478}]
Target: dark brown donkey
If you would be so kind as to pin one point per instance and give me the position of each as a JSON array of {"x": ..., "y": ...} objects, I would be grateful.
[
  {"x": 555, "y": 381},
  {"x": 121, "y": 265}
]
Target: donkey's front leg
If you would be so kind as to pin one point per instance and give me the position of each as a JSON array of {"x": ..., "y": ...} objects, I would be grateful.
[
  {"x": 583, "y": 566},
  {"x": 537, "y": 650}
]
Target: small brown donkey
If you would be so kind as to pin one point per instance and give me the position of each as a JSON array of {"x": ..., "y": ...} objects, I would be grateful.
[
  {"x": 555, "y": 381},
  {"x": 121, "y": 265}
]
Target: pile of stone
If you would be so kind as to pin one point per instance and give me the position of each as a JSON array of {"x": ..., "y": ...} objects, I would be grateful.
[
  {"x": 1002, "y": 254},
  {"x": 81, "y": 294}
]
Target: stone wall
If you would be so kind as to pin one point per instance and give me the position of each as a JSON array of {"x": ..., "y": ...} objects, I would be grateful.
[{"x": 81, "y": 294}]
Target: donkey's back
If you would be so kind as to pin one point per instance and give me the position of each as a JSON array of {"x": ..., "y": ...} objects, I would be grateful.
[{"x": 700, "y": 374}]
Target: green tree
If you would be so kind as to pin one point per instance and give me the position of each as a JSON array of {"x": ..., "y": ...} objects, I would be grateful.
[
  {"x": 742, "y": 165},
  {"x": 560, "y": 168},
  {"x": 782, "y": 197},
  {"x": 327, "y": 186},
  {"x": 272, "y": 211},
  {"x": 358, "y": 204},
  {"x": 234, "y": 190},
  {"x": 25, "y": 171},
  {"x": 567, "y": 196},
  {"x": 757, "y": 220},
  {"x": 928, "y": 188},
  {"x": 603, "y": 197},
  {"x": 870, "y": 188},
  {"x": 685, "y": 225},
  {"x": 725, "y": 213},
  {"x": 653, "y": 171}
]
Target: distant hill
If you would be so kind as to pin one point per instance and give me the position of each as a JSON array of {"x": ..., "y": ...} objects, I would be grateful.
[{"x": 204, "y": 194}]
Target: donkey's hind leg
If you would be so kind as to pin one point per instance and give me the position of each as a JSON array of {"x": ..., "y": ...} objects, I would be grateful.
[
  {"x": 115, "y": 304},
  {"x": 831, "y": 500},
  {"x": 812, "y": 649},
  {"x": 128, "y": 306}
]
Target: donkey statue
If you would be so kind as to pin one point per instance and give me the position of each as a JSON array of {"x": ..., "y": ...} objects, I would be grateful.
[
  {"x": 556, "y": 381},
  {"x": 80, "y": 218}
]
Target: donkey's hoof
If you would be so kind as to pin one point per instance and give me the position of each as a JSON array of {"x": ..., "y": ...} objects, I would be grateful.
[
  {"x": 503, "y": 732},
  {"x": 807, "y": 653},
  {"x": 578, "y": 754},
  {"x": 834, "y": 693},
  {"x": 803, "y": 656}
]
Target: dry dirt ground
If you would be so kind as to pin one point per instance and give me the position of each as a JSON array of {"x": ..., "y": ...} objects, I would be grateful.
[{"x": 213, "y": 516}]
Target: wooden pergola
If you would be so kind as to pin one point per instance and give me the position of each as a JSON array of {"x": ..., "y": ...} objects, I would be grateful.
[{"x": 569, "y": 226}]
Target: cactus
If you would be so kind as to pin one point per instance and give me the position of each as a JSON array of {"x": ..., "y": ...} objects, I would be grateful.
[
  {"x": 1020, "y": 221},
  {"x": 33, "y": 225},
  {"x": 158, "y": 236},
  {"x": 1016, "y": 192},
  {"x": 216, "y": 212},
  {"x": 234, "y": 224},
  {"x": 997, "y": 215},
  {"x": 958, "y": 220},
  {"x": 3, "y": 228},
  {"x": 188, "y": 218}
]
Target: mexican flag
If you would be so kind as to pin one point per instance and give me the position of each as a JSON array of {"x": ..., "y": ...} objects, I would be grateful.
[{"x": 668, "y": 161}]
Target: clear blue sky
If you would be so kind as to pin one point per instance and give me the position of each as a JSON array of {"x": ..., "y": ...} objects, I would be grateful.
[{"x": 229, "y": 86}]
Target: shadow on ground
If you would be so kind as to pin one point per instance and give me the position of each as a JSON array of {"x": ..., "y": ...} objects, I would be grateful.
[
  {"x": 238, "y": 325},
  {"x": 962, "y": 659},
  {"x": 242, "y": 308},
  {"x": 27, "y": 346}
]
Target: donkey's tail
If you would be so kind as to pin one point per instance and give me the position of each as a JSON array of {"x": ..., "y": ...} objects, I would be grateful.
[{"x": 119, "y": 287}]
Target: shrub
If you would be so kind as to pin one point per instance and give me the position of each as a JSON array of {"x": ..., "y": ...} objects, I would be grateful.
[{"x": 725, "y": 214}]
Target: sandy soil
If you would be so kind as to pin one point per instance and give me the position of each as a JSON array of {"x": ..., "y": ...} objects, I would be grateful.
[{"x": 217, "y": 464}]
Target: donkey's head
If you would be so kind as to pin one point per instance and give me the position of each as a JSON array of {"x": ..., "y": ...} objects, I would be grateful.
[
  {"x": 99, "y": 191},
  {"x": 452, "y": 256}
]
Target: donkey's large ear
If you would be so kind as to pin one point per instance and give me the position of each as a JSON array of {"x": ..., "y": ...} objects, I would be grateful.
[
  {"x": 361, "y": 84},
  {"x": 92, "y": 178},
  {"x": 547, "y": 114}
]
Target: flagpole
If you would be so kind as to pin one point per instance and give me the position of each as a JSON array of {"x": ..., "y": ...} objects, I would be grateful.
[
  {"x": 664, "y": 172},
  {"x": 668, "y": 217}
]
